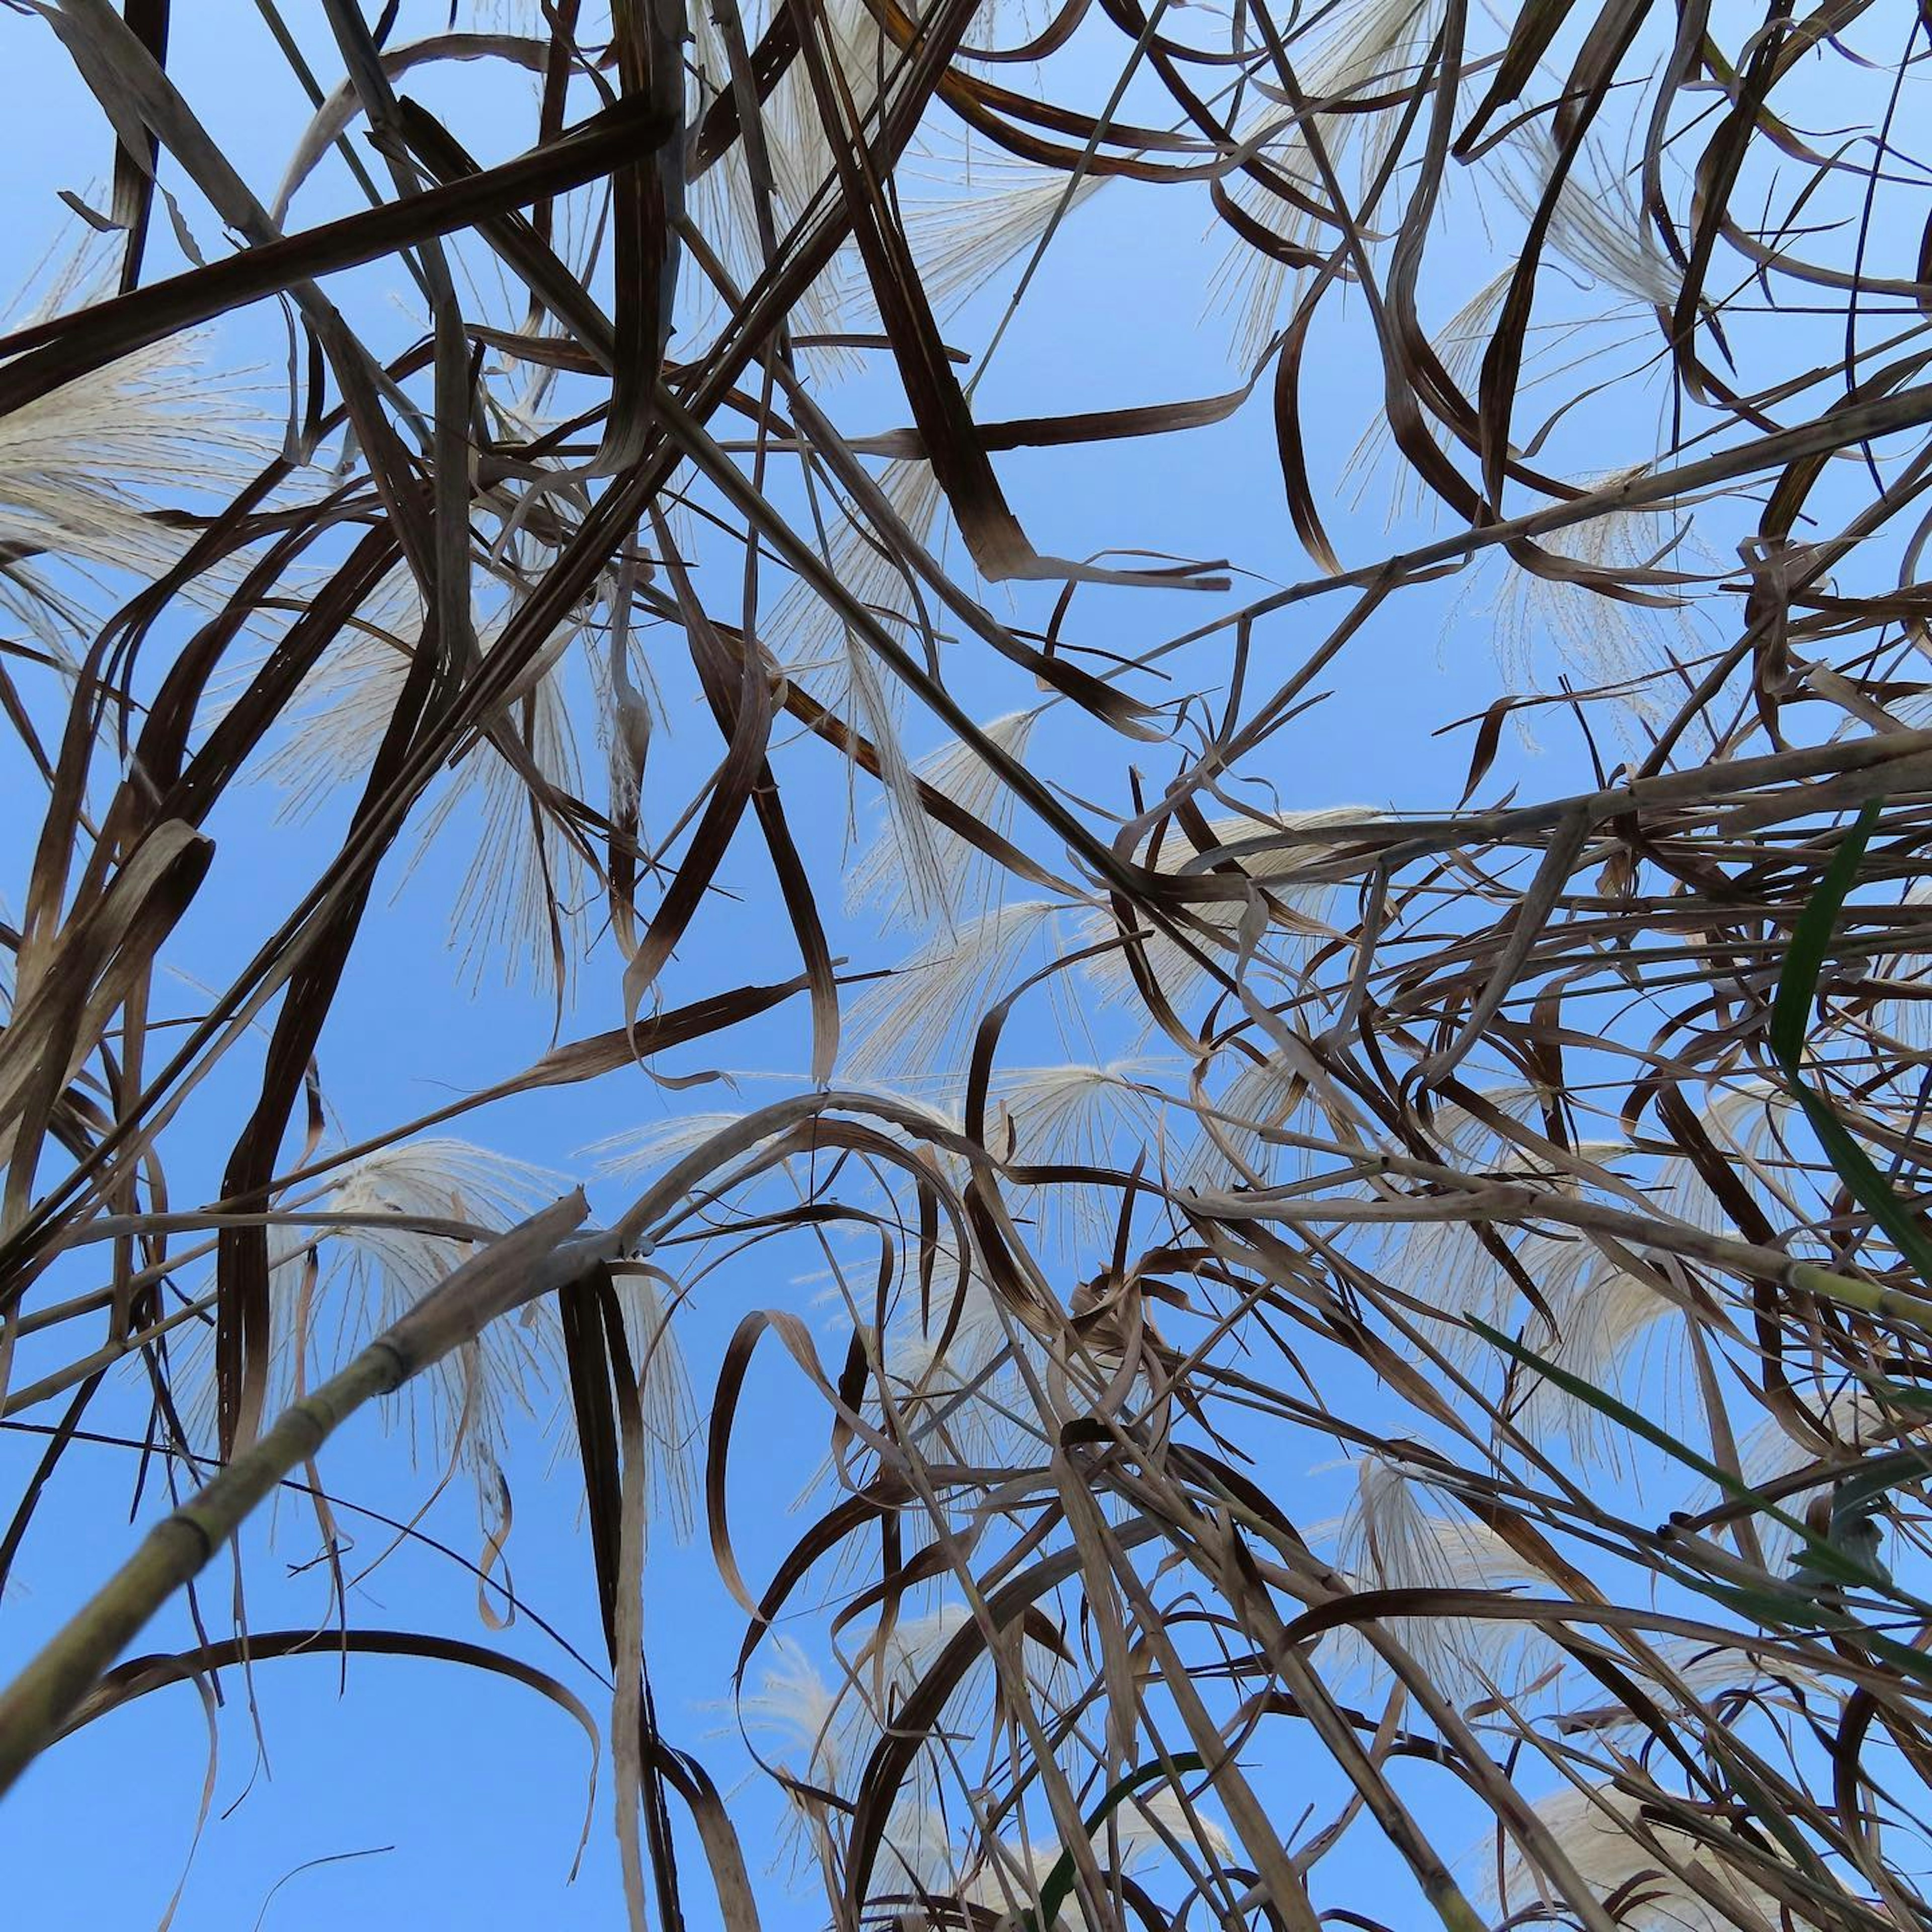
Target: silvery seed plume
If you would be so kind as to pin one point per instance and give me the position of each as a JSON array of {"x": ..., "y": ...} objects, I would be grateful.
[
  {"x": 825, "y": 1722},
  {"x": 992, "y": 210},
  {"x": 1175, "y": 970},
  {"x": 524, "y": 896},
  {"x": 799, "y": 151},
  {"x": 723, "y": 200},
  {"x": 1744, "y": 1122},
  {"x": 1905, "y": 1015},
  {"x": 524, "y": 872},
  {"x": 1459, "y": 348},
  {"x": 1446, "y": 1266},
  {"x": 1848, "y": 1420},
  {"x": 1359, "y": 47},
  {"x": 797, "y": 1709},
  {"x": 664, "y": 1399},
  {"x": 951, "y": 1364},
  {"x": 922, "y": 1019},
  {"x": 1598, "y": 226},
  {"x": 82, "y": 467},
  {"x": 372, "y": 1275},
  {"x": 1264, "y": 1096},
  {"x": 1709, "y": 1672},
  {"x": 1080, "y": 1115},
  {"x": 1593, "y": 639},
  {"x": 1609, "y": 1326},
  {"x": 835, "y": 665},
  {"x": 1014, "y": 1867},
  {"x": 1620, "y": 1853},
  {"x": 638, "y": 1151},
  {"x": 1392, "y": 1538},
  {"x": 887, "y": 875}
]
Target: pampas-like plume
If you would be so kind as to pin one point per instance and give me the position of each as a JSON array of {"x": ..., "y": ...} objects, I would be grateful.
[
  {"x": 1079, "y": 1115},
  {"x": 1358, "y": 48},
  {"x": 960, "y": 1397},
  {"x": 1744, "y": 1123},
  {"x": 919, "y": 1019},
  {"x": 1144, "y": 1828},
  {"x": 993, "y": 209},
  {"x": 82, "y": 467},
  {"x": 1388, "y": 1539},
  {"x": 1459, "y": 348},
  {"x": 887, "y": 875},
  {"x": 1605, "y": 1319},
  {"x": 370, "y": 1276},
  {"x": 826, "y": 1727},
  {"x": 1233, "y": 1148},
  {"x": 1597, "y": 639},
  {"x": 1623, "y": 1851},
  {"x": 1708, "y": 1670},
  {"x": 834, "y": 664},
  {"x": 524, "y": 890},
  {"x": 1176, "y": 970},
  {"x": 797, "y": 1709},
  {"x": 1597, "y": 226},
  {"x": 1846, "y": 1421},
  {"x": 638, "y": 1150}
]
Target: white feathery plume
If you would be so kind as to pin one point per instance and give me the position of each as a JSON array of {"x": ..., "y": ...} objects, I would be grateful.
[
  {"x": 82, "y": 467},
  {"x": 1600, "y": 639},
  {"x": 1264, "y": 1096},
  {"x": 723, "y": 200},
  {"x": 1471, "y": 1142},
  {"x": 638, "y": 1150},
  {"x": 1597, "y": 225},
  {"x": 1359, "y": 46},
  {"x": 1899, "y": 1016},
  {"x": 1010, "y": 1876},
  {"x": 922, "y": 1017},
  {"x": 1597, "y": 1321},
  {"x": 342, "y": 708},
  {"x": 988, "y": 210},
  {"x": 887, "y": 875},
  {"x": 373, "y": 1274},
  {"x": 1144, "y": 1828},
  {"x": 526, "y": 889},
  {"x": 1175, "y": 970},
  {"x": 525, "y": 872},
  {"x": 1388, "y": 1539},
  {"x": 813, "y": 641},
  {"x": 1708, "y": 1670},
  {"x": 1459, "y": 348},
  {"x": 959, "y": 1394},
  {"x": 1605, "y": 1318},
  {"x": 1744, "y": 1122},
  {"x": 827, "y": 1723},
  {"x": 1446, "y": 1265},
  {"x": 1619, "y": 1852},
  {"x": 795, "y": 1705},
  {"x": 1849, "y": 1419},
  {"x": 664, "y": 1396},
  {"x": 833, "y": 664},
  {"x": 1081, "y": 1115}
]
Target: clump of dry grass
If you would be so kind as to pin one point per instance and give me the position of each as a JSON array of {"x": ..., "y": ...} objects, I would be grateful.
[{"x": 1335, "y": 1319}]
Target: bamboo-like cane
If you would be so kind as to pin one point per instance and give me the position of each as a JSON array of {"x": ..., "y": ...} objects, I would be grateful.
[{"x": 531, "y": 1259}]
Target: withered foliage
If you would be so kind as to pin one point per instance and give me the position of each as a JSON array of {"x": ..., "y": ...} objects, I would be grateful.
[{"x": 1545, "y": 1171}]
